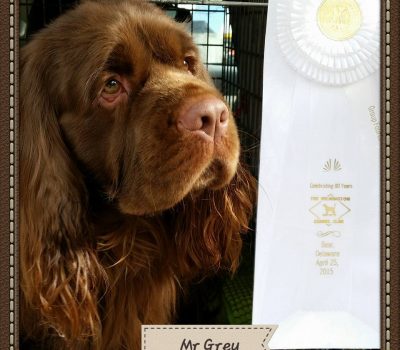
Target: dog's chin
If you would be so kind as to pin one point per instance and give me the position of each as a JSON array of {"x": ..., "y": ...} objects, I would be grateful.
[
  {"x": 216, "y": 176},
  {"x": 145, "y": 208}
]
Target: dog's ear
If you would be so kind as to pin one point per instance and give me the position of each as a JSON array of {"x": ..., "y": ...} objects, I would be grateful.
[
  {"x": 209, "y": 227},
  {"x": 59, "y": 269}
]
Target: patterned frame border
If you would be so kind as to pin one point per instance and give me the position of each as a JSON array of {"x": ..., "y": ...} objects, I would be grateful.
[
  {"x": 390, "y": 167},
  {"x": 390, "y": 179}
]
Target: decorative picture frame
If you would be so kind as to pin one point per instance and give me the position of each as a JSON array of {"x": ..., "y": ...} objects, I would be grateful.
[{"x": 390, "y": 179}]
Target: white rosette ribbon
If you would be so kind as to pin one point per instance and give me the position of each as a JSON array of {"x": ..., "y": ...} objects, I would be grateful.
[{"x": 324, "y": 58}]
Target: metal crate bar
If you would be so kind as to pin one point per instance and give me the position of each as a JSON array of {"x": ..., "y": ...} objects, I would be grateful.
[{"x": 213, "y": 3}]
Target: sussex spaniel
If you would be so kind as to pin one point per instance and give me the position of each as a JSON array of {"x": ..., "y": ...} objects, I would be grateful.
[{"x": 130, "y": 181}]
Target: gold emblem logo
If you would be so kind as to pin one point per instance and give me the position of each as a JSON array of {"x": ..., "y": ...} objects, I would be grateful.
[
  {"x": 339, "y": 19},
  {"x": 332, "y": 166},
  {"x": 329, "y": 209}
]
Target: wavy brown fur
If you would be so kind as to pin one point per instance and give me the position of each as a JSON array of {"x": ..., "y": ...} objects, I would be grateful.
[{"x": 119, "y": 209}]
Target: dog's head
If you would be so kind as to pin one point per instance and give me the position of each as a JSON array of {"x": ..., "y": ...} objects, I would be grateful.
[
  {"x": 114, "y": 99},
  {"x": 135, "y": 104}
]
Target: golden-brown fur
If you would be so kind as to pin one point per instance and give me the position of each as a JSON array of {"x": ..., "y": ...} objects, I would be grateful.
[{"x": 119, "y": 209}]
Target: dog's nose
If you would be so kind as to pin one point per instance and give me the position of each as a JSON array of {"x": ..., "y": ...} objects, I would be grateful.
[{"x": 207, "y": 116}]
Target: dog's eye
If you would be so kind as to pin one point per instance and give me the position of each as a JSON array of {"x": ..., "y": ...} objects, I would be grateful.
[
  {"x": 112, "y": 86},
  {"x": 188, "y": 63}
]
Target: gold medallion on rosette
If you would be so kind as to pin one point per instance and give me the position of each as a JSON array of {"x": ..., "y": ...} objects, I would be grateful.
[
  {"x": 334, "y": 42},
  {"x": 339, "y": 19}
]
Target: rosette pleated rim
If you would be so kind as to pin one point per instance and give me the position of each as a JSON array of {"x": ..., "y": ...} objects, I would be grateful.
[{"x": 320, "y": 58}]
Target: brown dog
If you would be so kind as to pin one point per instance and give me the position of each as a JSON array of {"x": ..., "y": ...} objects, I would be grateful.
[{"x": 130, "y": 179}]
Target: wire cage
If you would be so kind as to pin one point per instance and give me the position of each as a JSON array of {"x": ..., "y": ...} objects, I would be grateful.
[{"x": 230, "y": 36}]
